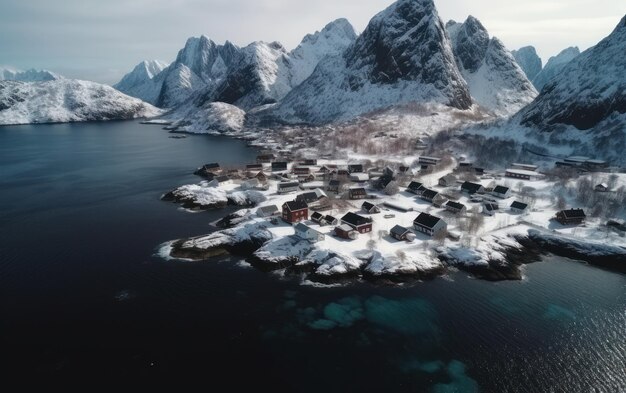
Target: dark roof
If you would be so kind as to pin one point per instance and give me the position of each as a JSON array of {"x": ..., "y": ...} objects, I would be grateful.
[
  {"x": 329, "y": 218},
  {"x": 426, "y": 220},
  {"x": 316, "y": 216},
  {"x": 449, "y": 178},
  {"x": 358, "y": 191},
  {"x": 368, "y": 205},
  {"x": 573, "y": 213},
  {"x": 288, "y": 184},
  {"x": 430, "y": 194},
  {"x": 211, "y": 165},
  {"x": 501, "y": 190},
  {"x": 353, "y": 167},
  {"x": 279, "y": 164},
  {"x": 254, "y": 166},
  {"x": 471, "y": 187},
  {"x": 295, "y": 205},
  {"x": 334, "y": 183},
  {"x": 491, "y": 206},
  {"x": 222, "y": 178},
  {"x": 266, "y": 156},
  {"x": 399, "y": 230},
  {"x": 415, "y": 185},
  {"x": 355, "y": 219},
  {"x": 455, "y": 205},
  {"x": 307, "y": 197},
  {"x": 465, "y": 164},
  {"x": 519, "y": 205}
]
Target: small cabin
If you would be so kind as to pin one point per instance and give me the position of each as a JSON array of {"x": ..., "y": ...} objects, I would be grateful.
[
  {"x": 526, "y": 167},
  {"x": 401, "y": 233},
  {"x": 358, "y": 223},
  {"x": 267, "y": 211},
  {"x": 254, "y": 167},
  {"x": 318, "y": 218},
  {"x": 571, "y": 216},
  {"x": 425, "y": 160},
  {"x": 265, "y": 158},
  {"x": 357, "y": 193},
  {"x": 370, "y": 208},
  {"x": 287, "y": 187},
  {"x": 602, "y": 187},
  {"x": 261, "y": 176},
  {"x": 447, "y": 180},
  {"x": 302, "y": 171},
  {"x": 490, "y": 208},
  {"x": 307, "y": 233},
  {"x": 415, "y": 188},
  {"x": 330, "y": 220},
  {"x": 522, "y": 174},
  {"x": 295, "y": 211},
  {"x": 429, "y": 195},
  {"x": 501, "y": 192},
  {"x": 455, "y": 207},
  {"x": 472, "y": 188},
  {"x": 465, "y": 167},
  {"x": 429, "y": 224},
  {"x": 346, "y": 232},
  {"x": 333, "y": 185},
  {"x": 359, "y": 177},
  {"x": 309, "y": 162},
  {"x": 518, "y": 207},
  {"x": 355, "y": 168}
]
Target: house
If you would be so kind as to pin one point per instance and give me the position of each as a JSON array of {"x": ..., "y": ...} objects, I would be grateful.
[
  {"x": 455, "y": 207},
  {"x": 254, "y": 167},
  {"x": 355, "y": 168},
  {"x": 318, "y": 218},
  {"x": 571, "y": 216},
  {"x": 501, "y": 192},
  {"x": 388, "y": 172},
  {"x": 309, "y": 162},
  {"x": 447, "y": 180},
  {"x": 359, "y": 177},
  {"x": 429, "y": 224},
  {"x": 223, "y": 180},
  {"x": 526, "y": 167},
  {"x": 330, "y": 220},
  {"x": 279, "y": 166},
  {"x": 295, "y": 211},
  {"x": 312, "y": 185},
  {"x": 265, "y": 158},
  {"x": 383, "y": 182},
  {"x": 518, "y": 207},
  {"x": 333, "y": 185},
  {"x": 308, "y": 197},
  {"x": 357, "y": 193},
  {"x": 602, "y": 187},
  {"x": 479, "y": 171},
  {"x": 522, "y": 174},
  {"x": 401, "y": 233},
  {"x": 472, "y": 188},
  {"x": 370, "y": 208},
  {"x": 343, "y": 173},
  {"x": 416, "y": 188},
  {"x": 262, "y": 177},
  {"x": 596, "y": 164},
  {"x": 403, "y": 169},
  {"x": 346, "y": 231},
  {"x": 429, "y": 195},
  {"x": 490, "y": 208},
  {"x": 425, "y": 160},
  {"x": 267, "y": 211},
  {"x": 307, "y": 233},
  {"x": 213, "y": 167},
  {"x": 302, "y": 171},
  {"x": 464, "y": 167},
  {"x": 287, "y": 186},
  {"x": 358, "y": 223}
]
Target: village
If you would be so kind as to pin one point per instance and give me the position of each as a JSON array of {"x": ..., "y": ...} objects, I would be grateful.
[{"x": 410, "y": 217}]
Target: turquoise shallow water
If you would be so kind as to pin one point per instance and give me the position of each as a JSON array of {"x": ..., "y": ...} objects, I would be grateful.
[{"x": 83, "y": 298}]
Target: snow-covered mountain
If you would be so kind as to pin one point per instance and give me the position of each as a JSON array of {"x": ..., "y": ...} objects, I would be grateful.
[
  {"x": 334, "y": 38},
  {"x": 139, "y": 82},
  {"x": 588, "y": 90},
  {"x": 67, "y": 100},
  {"x": 495, "y": 80},
  {"x": 403, "y": 56},
  {"x": 212, "y": 117},
  {"x": 528, "y": 60},
  {"x": 32, "y": 75},
  {"x": 554, "y": 66}
]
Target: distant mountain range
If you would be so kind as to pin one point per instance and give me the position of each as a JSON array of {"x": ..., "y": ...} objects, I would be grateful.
[{"x": 31, "y": 75}]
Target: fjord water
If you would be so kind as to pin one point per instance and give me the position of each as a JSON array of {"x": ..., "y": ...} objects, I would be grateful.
[{"x": 83, "y": 297}]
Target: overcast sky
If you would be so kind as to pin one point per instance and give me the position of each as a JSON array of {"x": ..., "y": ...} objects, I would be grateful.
[{"x": 103, "y": 39}]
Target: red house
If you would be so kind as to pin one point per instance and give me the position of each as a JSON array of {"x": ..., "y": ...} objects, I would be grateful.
[
  {"x": 358, "y": 223},
  {"x": 295, "y": 211}
]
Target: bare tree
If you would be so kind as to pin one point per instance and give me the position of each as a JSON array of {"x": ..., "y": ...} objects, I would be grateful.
[
  {"x": 440, "y": 237},
  {"x": 371, "y": 244},
  {"x": 392, "y": 188},
  {"x": 612, "y": 181},
  {"x": 401, "y": 255},
  {"x": 561, "y": 203}
]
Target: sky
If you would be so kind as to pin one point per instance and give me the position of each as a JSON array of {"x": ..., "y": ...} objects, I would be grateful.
[{"x": 102, "y": 40}]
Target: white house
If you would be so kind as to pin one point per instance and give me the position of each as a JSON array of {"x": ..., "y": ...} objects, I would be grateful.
[{"x": 307, "y": 233}]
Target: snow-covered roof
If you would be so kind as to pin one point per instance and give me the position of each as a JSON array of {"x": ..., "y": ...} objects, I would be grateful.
[{"x": 427, "y": 220}]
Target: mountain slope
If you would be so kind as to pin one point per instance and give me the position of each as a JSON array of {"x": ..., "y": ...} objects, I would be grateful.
[
  {"x": 587, "y": 90},
  {"x": 554, "y": 66},
  {"x": 402, "y": 56},
  {"x": 66, "y": 100},
  {"x": 495, "y": 80},
  {"x": 139, "y": 82},
  {"x": 32, "y": 75},
  {"x": 528, "y": 61}
]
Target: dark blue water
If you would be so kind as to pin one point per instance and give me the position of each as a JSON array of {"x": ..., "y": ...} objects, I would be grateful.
[{"x": 83, "y": 298}]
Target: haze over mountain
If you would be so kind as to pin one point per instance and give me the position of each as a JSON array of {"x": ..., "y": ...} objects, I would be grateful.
[
  {"x": 554, "y": 66},
  {"x": 528, "y": 60}
]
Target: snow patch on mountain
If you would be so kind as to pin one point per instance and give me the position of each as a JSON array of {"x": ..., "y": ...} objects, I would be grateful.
[
  {"x": 495, "y": 80},
  {"x": 528, "y": 60},
  {"x": 212, "y": 117},
  {"x": 554, "y": 66},
  {"x": 67, "y": 100}
]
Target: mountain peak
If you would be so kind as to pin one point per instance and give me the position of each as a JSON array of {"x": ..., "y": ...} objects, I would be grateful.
[{"x": 528, "y": 60}]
